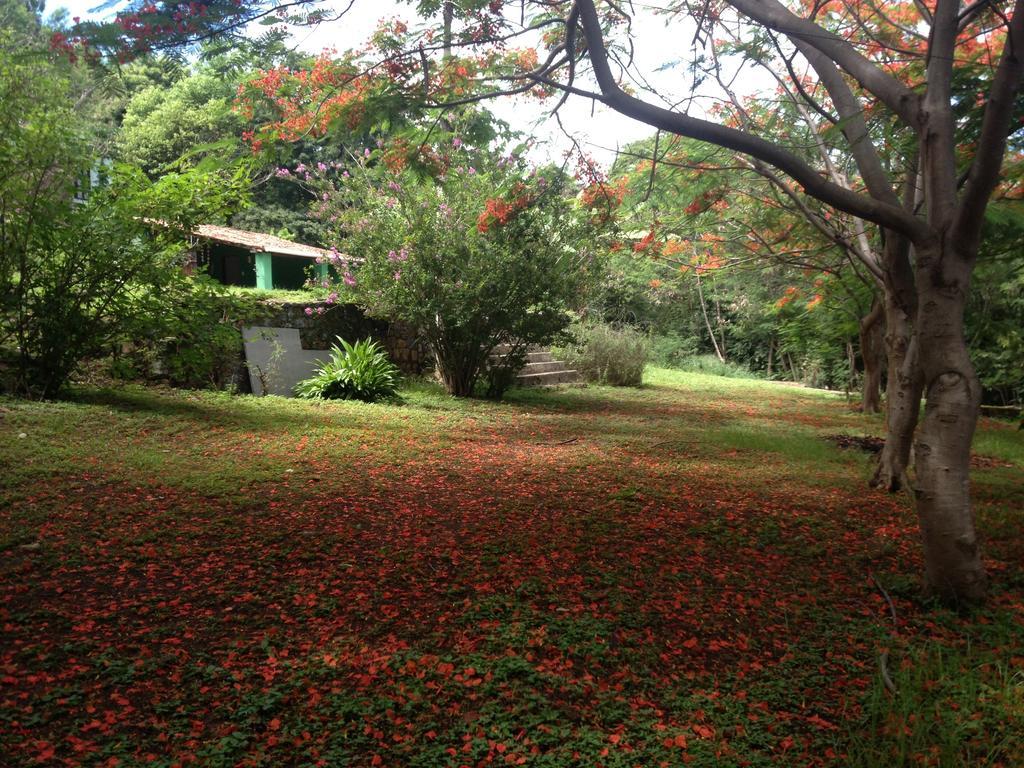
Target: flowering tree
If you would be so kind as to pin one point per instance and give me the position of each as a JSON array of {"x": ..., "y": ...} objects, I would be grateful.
[
  {"x": 483, "y": 255},
  {"x": 900, "y": 77}
]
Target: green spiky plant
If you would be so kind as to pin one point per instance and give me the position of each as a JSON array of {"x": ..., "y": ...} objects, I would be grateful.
[{"x": 359, "y": 371}]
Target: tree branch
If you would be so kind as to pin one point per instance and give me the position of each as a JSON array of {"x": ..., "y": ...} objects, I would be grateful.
[
  {"x": 995, "y": 126},
  {"x": 879, "y": 212},
  {"x": 894, "y": 94}
]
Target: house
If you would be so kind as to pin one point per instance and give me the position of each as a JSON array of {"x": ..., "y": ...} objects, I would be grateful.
[
  {"x": 256, "y": 259},
  {"x": 97, "y": 177}
]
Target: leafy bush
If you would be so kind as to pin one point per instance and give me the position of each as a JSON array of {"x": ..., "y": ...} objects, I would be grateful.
[
  {"x": 670, "y": 350},
  {"x": 80, "y": 278},
  {"x": 607, "y": 354},
  {"x": 360, "y": 371},
  {"x": 712, "y": 366},
  {"x": 484, "y": 254},
  {"x": 194, "y": 338},
  {"x": 201, "y": 340}
]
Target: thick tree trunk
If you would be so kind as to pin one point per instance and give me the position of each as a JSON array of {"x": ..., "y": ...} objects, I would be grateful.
[
  {"x": 953, "y": 569},
  {"x": 902, "y": 398},
  {"x": 872, "y": 352},
  {"x": 903, "y": 385}
]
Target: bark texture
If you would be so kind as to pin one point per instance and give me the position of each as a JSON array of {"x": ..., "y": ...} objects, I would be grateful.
[
  {"x": 904, "y": 384},
  {"x": 953, "y": 568},
  {"x": 902, "y": 398},
  {"x": 872, "y": 353}
]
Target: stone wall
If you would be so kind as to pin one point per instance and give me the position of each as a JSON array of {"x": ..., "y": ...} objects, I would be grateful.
[{"x": 318, "y": 330}]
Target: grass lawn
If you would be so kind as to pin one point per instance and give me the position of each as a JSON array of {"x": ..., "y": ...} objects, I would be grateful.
[{"x": 685, "y": 574}]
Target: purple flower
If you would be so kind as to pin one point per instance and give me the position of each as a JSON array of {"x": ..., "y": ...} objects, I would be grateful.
[
  {"x": 321, "y": 167},
  {"x": 300, "y": 168},
  {"x": 348, "y": 279},
  {"x": 332, "y": 297},
  {"x": 398, "y": 274},
  {"x": 394, "y": 186},
  {"x": 309, "y": 311},
  {"x": 282, "y": 173},
  {"x": 366, "y": 152},
  {"x": 471, "y": 170},
  {"x": 456, "y": 142},
  {"x": 392, "y": 256}
]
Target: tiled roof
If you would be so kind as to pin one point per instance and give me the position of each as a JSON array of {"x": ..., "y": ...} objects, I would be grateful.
[{"x": 257, "y": 242}]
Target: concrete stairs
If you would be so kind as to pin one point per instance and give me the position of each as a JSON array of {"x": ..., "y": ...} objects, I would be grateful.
[{"x": 541, "y": 369}]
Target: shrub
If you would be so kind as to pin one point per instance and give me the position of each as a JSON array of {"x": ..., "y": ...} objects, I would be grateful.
[
  {"x": 609, "y": 355},
  {"x": 360, "y": 371},
  {"x": 80, "y": 278},
  {"x": 712, "y": 366},
  {"x": 670, "y": 350},
  {"x": 201, "y": 342},
  {"x": 484, "y": 254}
]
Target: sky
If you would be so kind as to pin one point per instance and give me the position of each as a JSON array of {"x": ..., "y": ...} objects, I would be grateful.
[{"x": 597, "y": 129}]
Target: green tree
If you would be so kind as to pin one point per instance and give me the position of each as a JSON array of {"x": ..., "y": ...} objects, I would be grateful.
[
  {"x": 483, "y": 257},
  {"x": 77, "y": 275},
  {"x": 162, "y": 124}
]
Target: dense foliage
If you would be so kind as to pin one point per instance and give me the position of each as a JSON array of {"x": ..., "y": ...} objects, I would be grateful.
[
  {"x": 607, "y": 354},
  {"x": 195, "y": 338},
  {"x": 90, "y": 252},
  {"x": 482, "y": 256},
  {"x": 719, "y": 264}
]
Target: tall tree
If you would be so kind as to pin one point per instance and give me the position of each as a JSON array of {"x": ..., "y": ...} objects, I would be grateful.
[{"x": 939, "y": 215}]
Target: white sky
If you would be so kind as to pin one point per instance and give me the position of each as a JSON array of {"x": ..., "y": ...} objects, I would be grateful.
[{"x": 598, "y": 129}]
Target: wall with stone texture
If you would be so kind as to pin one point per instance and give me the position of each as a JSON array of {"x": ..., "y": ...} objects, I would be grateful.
[{"x": 319, "y": 329}]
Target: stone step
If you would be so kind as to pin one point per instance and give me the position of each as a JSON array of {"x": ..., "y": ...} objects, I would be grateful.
[
  {"x": 538, "y": 356},
  {"x": 542, "y": 366},
  {"x": 501, "y": 349},
  {"x": 547, "y": 378}
]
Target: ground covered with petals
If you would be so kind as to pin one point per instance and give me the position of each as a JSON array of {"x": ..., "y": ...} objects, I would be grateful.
[{"x": 693, "y": 573}]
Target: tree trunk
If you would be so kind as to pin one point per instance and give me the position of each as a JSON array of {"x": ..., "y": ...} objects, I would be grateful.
[
  {"x": 707, "y": 322},
  {"x": 458, "y": 369},
  {"x": 953, "y": 569},
  {"x": 792, "y": 368},
  {"x": 902, "y": 397},
  {"x": 872, "y": 352},
  {"x": 447, "y": 16},
  {"x": 851, "y": 367},
  {"x": 903, "y": 386}
]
